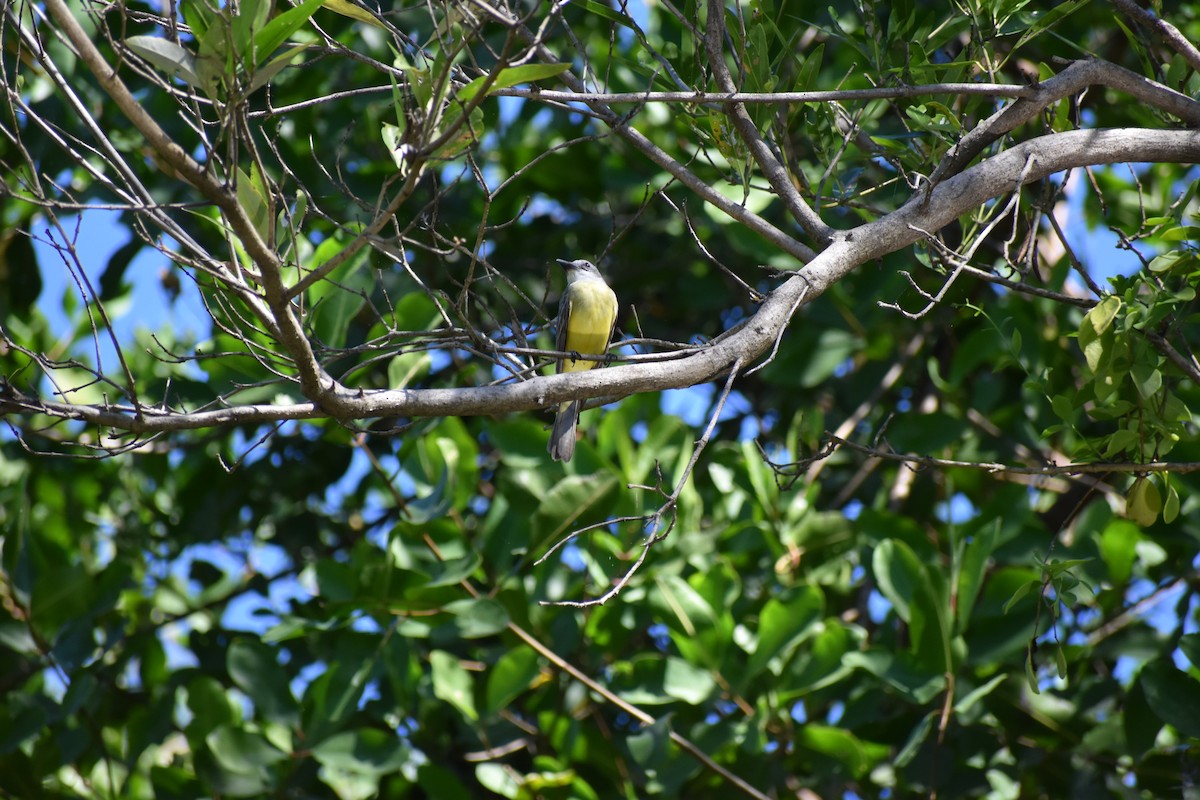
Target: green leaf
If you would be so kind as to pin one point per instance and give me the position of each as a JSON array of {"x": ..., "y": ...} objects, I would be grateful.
[
  {"x": 915, "y": 740},
  {"x": 839, "y": 745},
  {"x": 243, "y": 751},
  {"x": 1143, "y": 502},
  {"x": 277, "y": 31},
  {"x": 1171, "y": 504},
  {"x": 264, "y": 74},
  {"x": 466, "y": 133},
  {"x": 1172, "y": 695},
  {"x": 900, "y": 575},
  {"x": 512, "y": 76},
  {"x": 1147, "y": 379},
  {"x": 472, "y": 618},
  {"x": 363, "y": 752},
  {"x": 338, "y": 298},
  {"x": 255, "y": 669},
  {"x": 968, "y": 701},
  {"x": 332, "y": 698},
  {"x": 251, "y": 16},
  {"x": 433, "y": 505},
  {"x": 252, "y": 197},
  {"x": 976, "y": 557},
  {"x": 443, "y": 783},
  {"x": 1189, "y": 644},
  {"x": 1139, "y": 722},
  {"x": 511, "y": 676},
  {"x": 607, "y": 12},
  {"x": 691, "y": 619},
  {"x": 687, "y": 682},
  {"x": 821, "y": 662},
  {"x": 209, "y": 704},
  {"x": 347, "y": 8},
  {"x": 1044, "y": 21},
  {"x": 171, "y": 58},
  {"x": 452, "y": 570},
  {"x": 1096, "y": 323},
  {"x": 1118, "y": 548},
  {"x": 452, "y": 683},
  {"x": 407, "y": 368},
  {"x": 899, "y": 671},
  {"x": 782, "y": 625},
  {"x": 1031, "y": 673},
  {"x": 393, "y": 140},
  {"x": 1170, "y": 260},
  {"x": 573, "y": 501}
]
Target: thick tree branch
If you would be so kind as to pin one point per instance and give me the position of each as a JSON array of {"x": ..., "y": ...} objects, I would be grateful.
[
  {"x": 1169, "y": 33},
  {"x": 1075, "y": 78},
  {"x": 1028, "y": 162}
]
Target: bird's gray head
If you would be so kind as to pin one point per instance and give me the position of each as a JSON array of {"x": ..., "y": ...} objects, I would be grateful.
[{"x": 582, "y": 265}]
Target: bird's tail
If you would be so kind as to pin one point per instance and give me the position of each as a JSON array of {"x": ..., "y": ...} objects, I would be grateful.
[{"x": 562, "y": 436}]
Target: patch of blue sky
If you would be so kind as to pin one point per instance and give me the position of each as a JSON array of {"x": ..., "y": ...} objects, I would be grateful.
[
  {"x": 572, "y": 558},
  {"x": 269, "y": 560},
  {"x": 308, "y": 673},
  {"x": 541, "y": 205},
  {"x": 454, "y": 171},
  {"x": 1160, "y": 614},
  {"x": 172, "y": 637},
  {"x": 96, "y": 235},
  {"x": 660, "y": 634},
  {"x": 370, "y": 692},
  {"x": 254, "y": 613},
  {"x": 1096, "y": 248},
  {"x": 249, "y": 612},
  {"x": 693, "y": 405},
  {"x": 509, "y": 109},
  {"x": 347, "y": 485},
  {"x": 365, "y": 623},
  {"x": 878, "y": 607},
  {"x": 957, "y": 510},
  {"x": 53, "y": 685},
  {"x": 220, "y": 555}
]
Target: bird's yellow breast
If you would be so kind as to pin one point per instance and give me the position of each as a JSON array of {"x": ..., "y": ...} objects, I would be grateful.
[{"x": 590, "y": 322}]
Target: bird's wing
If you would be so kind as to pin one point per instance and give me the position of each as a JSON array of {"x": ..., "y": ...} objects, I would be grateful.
[
  {"x": 564, "y": 311},
  {"x": 616, "y": 313}
]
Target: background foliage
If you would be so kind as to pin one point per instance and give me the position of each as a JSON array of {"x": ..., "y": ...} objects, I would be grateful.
[{"x": 318, "y": 609}]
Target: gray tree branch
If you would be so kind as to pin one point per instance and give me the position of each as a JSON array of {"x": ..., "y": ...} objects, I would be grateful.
[{"x": 925, "y": 212}]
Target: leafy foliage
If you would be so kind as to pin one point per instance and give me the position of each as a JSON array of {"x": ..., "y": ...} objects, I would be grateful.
[{"x": 837, "y": 602}]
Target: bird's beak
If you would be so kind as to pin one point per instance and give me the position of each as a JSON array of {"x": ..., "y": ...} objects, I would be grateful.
[{"x": 564, "y": 262}]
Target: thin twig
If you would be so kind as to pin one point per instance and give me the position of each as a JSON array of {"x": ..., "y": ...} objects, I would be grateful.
[
  {"x": 653, "y": 521},
  {"x": 993, "y": 467}
]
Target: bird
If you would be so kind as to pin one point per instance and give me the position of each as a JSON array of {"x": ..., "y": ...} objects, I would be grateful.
[{"x": 587, "y": 316}]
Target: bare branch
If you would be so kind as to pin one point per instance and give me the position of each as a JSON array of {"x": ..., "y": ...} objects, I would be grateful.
[
  {"x": 775, "y": 172},
  {"x": 1034, "y": 159},
  {"x": 1169, "y": 33},
  {"x": 717, "y": 99},
  {"x": 1089, "y": 468}
]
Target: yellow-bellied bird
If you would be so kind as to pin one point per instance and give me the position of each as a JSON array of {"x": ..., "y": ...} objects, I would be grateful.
[{"x": 587, "y": 316}]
